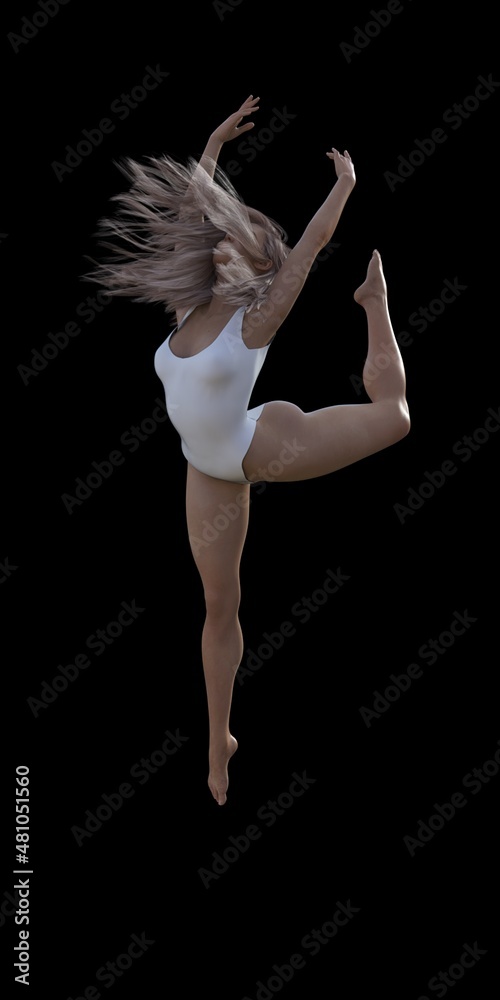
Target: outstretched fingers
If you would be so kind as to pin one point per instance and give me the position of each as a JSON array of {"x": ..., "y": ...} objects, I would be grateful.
[{"x": 343, "y": 164}]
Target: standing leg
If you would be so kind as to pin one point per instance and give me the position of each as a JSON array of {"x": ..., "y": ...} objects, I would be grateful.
[{"x": 223, "y": 508}]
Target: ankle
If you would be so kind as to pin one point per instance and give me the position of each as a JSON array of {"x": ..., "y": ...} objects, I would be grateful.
[
  {"x": 220, "y": 742},
  {"x": 375, "y": 298}
]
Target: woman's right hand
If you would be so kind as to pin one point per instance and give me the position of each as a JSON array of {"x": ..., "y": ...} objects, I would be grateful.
[
  {"x": 342, "y": 164},
  {"x": 229, "y": 129}
]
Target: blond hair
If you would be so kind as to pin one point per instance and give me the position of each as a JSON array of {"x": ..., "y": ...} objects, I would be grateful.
[{"x": 163, "y": 235}]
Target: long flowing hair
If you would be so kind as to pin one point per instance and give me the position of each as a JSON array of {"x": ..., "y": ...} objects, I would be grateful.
[{"x": 163, "y": 235}]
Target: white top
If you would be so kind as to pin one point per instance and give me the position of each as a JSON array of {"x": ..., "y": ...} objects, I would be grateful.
[{"x": 207, "y": 397}]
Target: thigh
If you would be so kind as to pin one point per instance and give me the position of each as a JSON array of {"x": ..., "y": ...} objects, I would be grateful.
[
  {"x": 290, "y": 445},
  {"x": 217, "y": 519}
]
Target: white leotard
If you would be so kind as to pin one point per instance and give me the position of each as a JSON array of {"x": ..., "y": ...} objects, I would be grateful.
[{"x": 207, "y": 396}]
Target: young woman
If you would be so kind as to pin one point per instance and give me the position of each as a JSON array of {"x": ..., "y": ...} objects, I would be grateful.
[{"x": 185, "y": 238}]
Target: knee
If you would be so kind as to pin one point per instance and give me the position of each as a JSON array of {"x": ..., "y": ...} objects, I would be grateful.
[
  {"x": 400, "y": 422},
  {"x": 222, "y": 603},
  {"x": 404, "y": 419}
]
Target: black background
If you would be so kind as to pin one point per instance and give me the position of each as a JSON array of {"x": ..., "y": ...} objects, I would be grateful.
[{"x": 343, "y": 839}]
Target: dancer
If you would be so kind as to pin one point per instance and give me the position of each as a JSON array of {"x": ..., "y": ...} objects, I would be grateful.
[{"x": 183, "y": 237}]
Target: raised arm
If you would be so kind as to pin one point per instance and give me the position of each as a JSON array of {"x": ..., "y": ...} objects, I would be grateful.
[
  {"x": 228, "y": 130},
  {"x": 324, "y": 223},
  {"x": 290, "y": 279}
]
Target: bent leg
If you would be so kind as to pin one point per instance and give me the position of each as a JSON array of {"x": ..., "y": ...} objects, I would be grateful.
[
  {"x": 217, "y": 518},
  {"x": 290, "y": 445}
]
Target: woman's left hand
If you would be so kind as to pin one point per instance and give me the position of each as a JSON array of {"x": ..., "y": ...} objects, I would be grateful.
[
  {"x": 343, "y": 164},
  {"x": 229, "y": 129}
]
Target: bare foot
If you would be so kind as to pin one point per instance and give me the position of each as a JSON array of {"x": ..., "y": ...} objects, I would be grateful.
[
  {"x": 374, "y": 286},
  {"x": 218, "y": 780}
]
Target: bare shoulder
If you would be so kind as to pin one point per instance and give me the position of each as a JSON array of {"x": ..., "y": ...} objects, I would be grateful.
[{"x": 260, "y": 325}]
